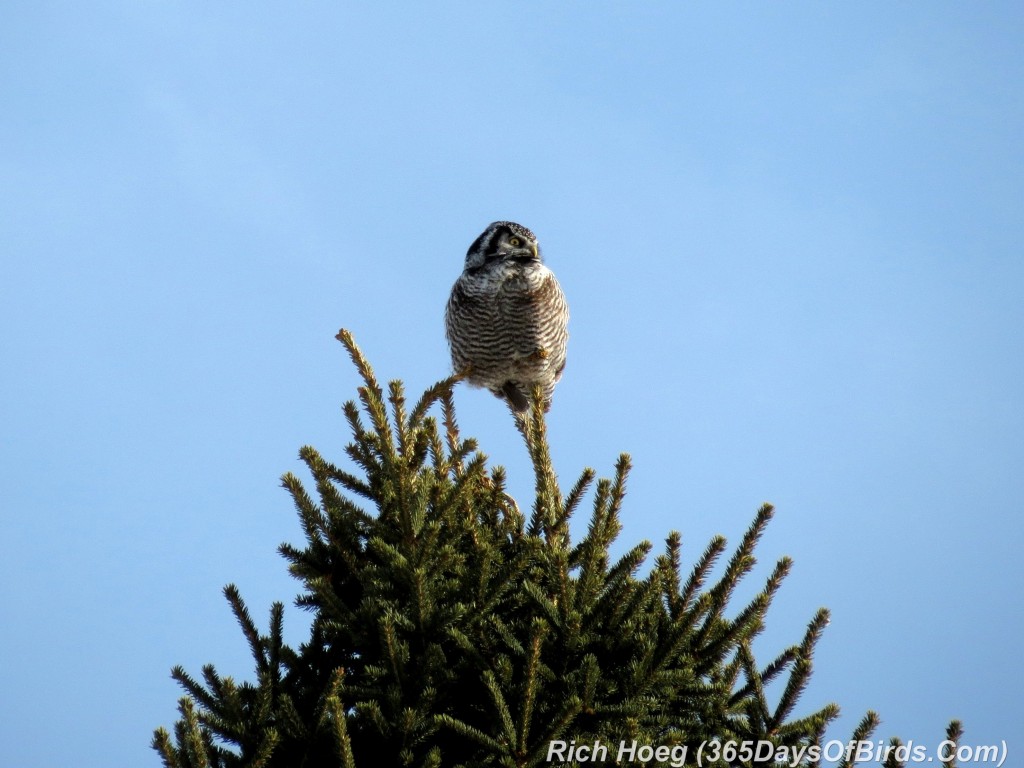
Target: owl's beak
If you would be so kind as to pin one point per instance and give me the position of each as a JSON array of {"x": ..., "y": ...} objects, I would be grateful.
[{"x": 536, "y": 251}]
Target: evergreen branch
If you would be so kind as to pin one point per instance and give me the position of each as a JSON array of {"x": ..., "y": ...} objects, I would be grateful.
[
  {"x": 824, "y": 717},
  {"x": 770, "y": 672},
  {"x": 493, "y": 589},
  {"x": 193, "y": 741},
  {"x": 622, "y": 596},
  {"x": 576, "y": 493},
  {"x": 469, "y": 732},
  {"x": 227, "y": 719},
  {"x": 313, "y": 522},
  {"x": 275, "y": 642},
  {"x": 500, "y": 511},
  {"x": 592, "y": 551},
  {"x": 505, "y": 723},
  {"x": 365, "y": 371},
  {"x": 466, "y": 484},
  {"x": 220, "y": 689},
  {"x": 548, "y": 605},
  {"x": 193, "y": 687},
  {"x": 814, "y": 630},
  {"x": 801, "y": 673},
  {"x": 431, "y": 396},
  {"x": 539, "y": 630},
  {"x": 252, "y": 635},
  {"x": 590, "y": 677},
  {"x": 361, "y": 437},
  {"x": 432, "y": 759},
  {"x": 741, "y": 629},
  {"x": 465, "y": 449},
  {"x": 622, "y": 467},
  {"x": 548, "y": 507},
  {"x": 393, "y": 555},
  {"x": 739, "y": 565},
  {"x": 505, "y": 633},
  {"x": 892, "y": 760},
  {"x": 451, "y": 430},
  {"x": 670, "y": 566},
  {"x": 862, "y": 732},
  {"x": 468, "y": 646},
  {"x": 395, "y": 651},
  {"x": 372, "y": 395},
  {"x": 954, "y": 732},
  {"x": 809, "y": 729},
  {"x": 435, "y": 448},
  {"x": 819, "y": 737},
  {"x": 758, "y": 703},
  {"x": 795, "y": 685},
  {"x": 701, "y": 570},
  {"x": 568, "y": 712},
  {"x": 330, "y": 498},
  {"x": 318, "y": 465},
  {"x": 726, "y": 676},
  {"x": 288, "y": 718},
  {"x": 396, "y": 396},
  {"x": 627, "y": 565},
  {"x": 383, "y": 440},
  {"x": 782, "y": 569},
  {"x": 265, "y": 749},
  {"x": 370, "y": 709},
  {"x": 162, "y": 743}
]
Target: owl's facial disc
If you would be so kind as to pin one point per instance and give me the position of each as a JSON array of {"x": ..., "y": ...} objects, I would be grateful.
[
  {"x": 503, "y": 241},
  {"x": 516, "y": 243}
]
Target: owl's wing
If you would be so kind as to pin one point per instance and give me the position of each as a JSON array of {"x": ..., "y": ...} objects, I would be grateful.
[
  {"x": 552, "y": 318},
  {"x": 466, "y": 314},
  {"x": 463, "y": 307}
]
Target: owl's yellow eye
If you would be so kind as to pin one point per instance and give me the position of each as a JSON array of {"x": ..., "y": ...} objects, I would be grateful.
[{"x": 514, "y": 242}]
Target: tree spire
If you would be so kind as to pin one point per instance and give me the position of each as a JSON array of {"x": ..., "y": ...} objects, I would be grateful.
[{"x": 450, "y": 630}]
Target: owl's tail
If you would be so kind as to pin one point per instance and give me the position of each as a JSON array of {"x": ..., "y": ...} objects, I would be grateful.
[{"x": 517, "y": 398}]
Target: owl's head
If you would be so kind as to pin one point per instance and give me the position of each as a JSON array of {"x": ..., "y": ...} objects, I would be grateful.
[{"x": 503, "y": 241}]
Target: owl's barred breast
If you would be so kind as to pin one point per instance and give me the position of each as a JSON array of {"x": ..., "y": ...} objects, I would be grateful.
[{"x": 508, "y": 324}]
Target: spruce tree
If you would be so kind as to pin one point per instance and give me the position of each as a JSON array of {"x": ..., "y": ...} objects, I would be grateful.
[{"x": 450, "y": 628}]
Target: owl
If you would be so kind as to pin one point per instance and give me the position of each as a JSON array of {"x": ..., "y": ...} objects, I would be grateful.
[{"x": 507, "y": 318}]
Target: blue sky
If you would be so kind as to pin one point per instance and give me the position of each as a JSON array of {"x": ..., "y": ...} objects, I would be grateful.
[{"x": 790, "y": 235}]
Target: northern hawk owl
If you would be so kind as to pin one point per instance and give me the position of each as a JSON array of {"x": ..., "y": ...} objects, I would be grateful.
[{"x": 507, "y": 318}]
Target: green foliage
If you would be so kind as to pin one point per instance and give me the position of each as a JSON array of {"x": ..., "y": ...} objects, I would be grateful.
[{"x": 451, "y": 630}]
